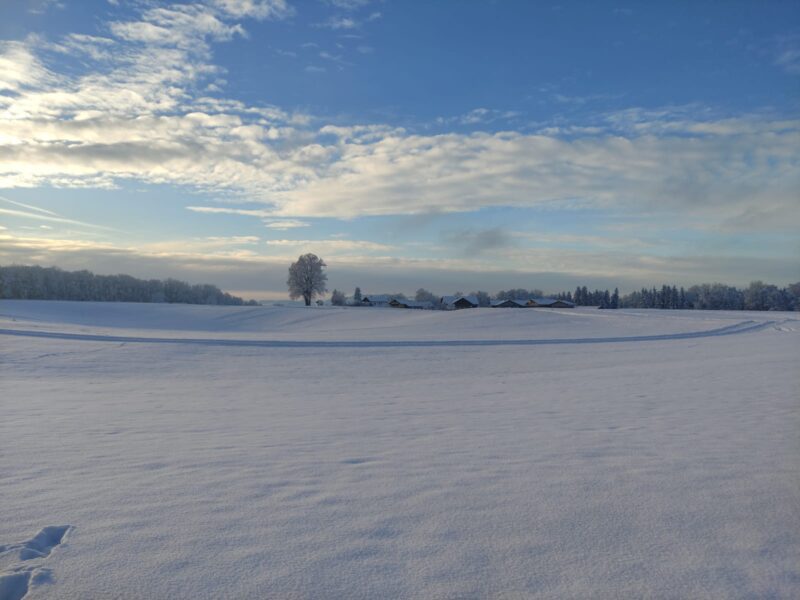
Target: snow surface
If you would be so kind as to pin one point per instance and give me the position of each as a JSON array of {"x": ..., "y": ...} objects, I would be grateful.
[{"x": 573, "y": 453}]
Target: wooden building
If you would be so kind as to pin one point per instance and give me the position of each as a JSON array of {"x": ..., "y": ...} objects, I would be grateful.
[
  {"x": 549, "y": 303},
  {"x": 510, "y": 304},
  {"x": 458, "y": 302}
]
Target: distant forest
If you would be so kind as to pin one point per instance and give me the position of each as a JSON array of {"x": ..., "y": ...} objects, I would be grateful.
[
  {"x": 706, "y": 296},
  {"x": 51, "y": 283}
]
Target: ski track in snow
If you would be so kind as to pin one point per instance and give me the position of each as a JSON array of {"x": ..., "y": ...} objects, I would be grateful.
[
  {"x": 737, "y": 328},
  {"x": 23, "y": 561}
]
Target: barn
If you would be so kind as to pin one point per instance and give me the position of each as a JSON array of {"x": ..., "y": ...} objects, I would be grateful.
[
  {"x": 395, "y": 303},
  {"x": 549, "y": 303},
  {"x": 458, "y": 302},
  {"x": 376, "y": 300},
  {"x": 509, "y": 304}
]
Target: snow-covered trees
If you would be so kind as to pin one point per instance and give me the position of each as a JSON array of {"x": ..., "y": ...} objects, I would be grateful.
[
  {"x": 338, "y": 298},
  {"x": 518, "y": 294},
  {"x": 307, "y": 278},
  {"x": 51, "y": 283},
  {"x": 484, "y": 299},
  {"x": 424, "y": 295}
]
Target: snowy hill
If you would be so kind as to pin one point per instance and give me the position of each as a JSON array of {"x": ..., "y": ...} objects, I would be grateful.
[
  {"x": 173, "y": 451},
  {"x": 359, "y": 324}
]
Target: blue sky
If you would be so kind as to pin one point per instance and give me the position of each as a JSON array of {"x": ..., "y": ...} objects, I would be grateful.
[{"x": 448, "y": 145}]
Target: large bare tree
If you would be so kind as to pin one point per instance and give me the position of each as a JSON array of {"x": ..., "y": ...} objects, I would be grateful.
[{"x": 307, "y": 278}]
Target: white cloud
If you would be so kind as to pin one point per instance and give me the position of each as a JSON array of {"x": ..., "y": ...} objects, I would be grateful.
[
  {"x": 137, "y": 115},
  {"x": 20, "y": 68},
  {"x": 284, "y": 224},
  {"x": 350, "y": 4},
  {"x": 38, "y": 7},
  {"x": 180, "y": 25},
  {"x": 258, "y": 9},
  {"x": 453, "y": 172},
  {"x": 336, "y": 245},
  {"x": 789, "y": 60},
  {"x": 337, "y": 23},
  {"x": 236, "y": 239},
  {"x": 336, "y": 58},
  {"x": 230, "y": 211},
  {"x": 28, "y": 206},
  {"x": 40, "y": 214}
]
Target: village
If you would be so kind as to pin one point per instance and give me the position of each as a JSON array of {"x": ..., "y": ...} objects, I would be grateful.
[{"x": 461, "y": 302}]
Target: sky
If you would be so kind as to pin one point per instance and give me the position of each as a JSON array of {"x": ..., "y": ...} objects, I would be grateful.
[{"x": 456, "y": 146}]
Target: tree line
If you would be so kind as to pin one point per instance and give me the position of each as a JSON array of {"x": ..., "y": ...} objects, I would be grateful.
[
  {"x": 716, "y": 296},
  {"x": 20, "y": 282},
  {"x": 707, "y": 296}
]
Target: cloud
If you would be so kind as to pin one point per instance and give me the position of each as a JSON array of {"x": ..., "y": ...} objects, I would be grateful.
[
  {"x": 478, "y": 241},
  {"x": 345, "y": 23},
  {"x": 722, "y": 166},
  {"x": 479, "y": 116},
  {"x": 28, "y": 206},
  {"x": 40, "y": 214},
  {"x": 336, "y": 245},
  {"x": 336, "y": 58},
  {"x": 284, "y": 224},
  {"x": 789, "y": 60},
  {"x": 242, "y": 269},
  {"x": 350, "y": 4},
  {"x": 258, "y": 9},
  {"x": 138, "y": 114},
  {"x": 20, "y": 68},
  {"x": 38, "y": 7},
  {"x": 230, "y": 211},
  {"x": 236, "y": 239},
  {"x": 586, "y": 99},
  {"x": 179, "y": 25},
  {"x": 338, "y": 23}
]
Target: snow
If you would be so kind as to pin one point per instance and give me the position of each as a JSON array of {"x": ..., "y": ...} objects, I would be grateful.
[{"x": 572, "y": 453}]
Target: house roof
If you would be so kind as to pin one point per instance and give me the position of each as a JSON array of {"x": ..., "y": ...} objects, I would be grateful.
[
  {"x": 412, "y": 304},
  {"x": 376, "y": 298},
  {"x": 454, "y": 299},
  {"x": 515, "y": 301},
  {"x": 549, "y": 301}
]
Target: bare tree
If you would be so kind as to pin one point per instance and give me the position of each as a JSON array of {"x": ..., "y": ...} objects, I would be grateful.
[{"x": 307, "y": 278}]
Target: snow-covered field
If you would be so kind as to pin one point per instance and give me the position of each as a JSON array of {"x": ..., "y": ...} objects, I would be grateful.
[{"x": 165, "y": 451}]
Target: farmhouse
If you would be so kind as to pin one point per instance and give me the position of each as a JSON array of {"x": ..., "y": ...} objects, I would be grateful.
[
  {"x": 376, "y": 300},
  {"x": 549, "y": 303},
  {"x": 458, "y": 302},
  {"x": 509, "y": 303}
]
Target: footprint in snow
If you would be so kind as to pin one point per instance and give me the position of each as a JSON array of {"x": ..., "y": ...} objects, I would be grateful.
[{"x": 25, "y": 560}]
